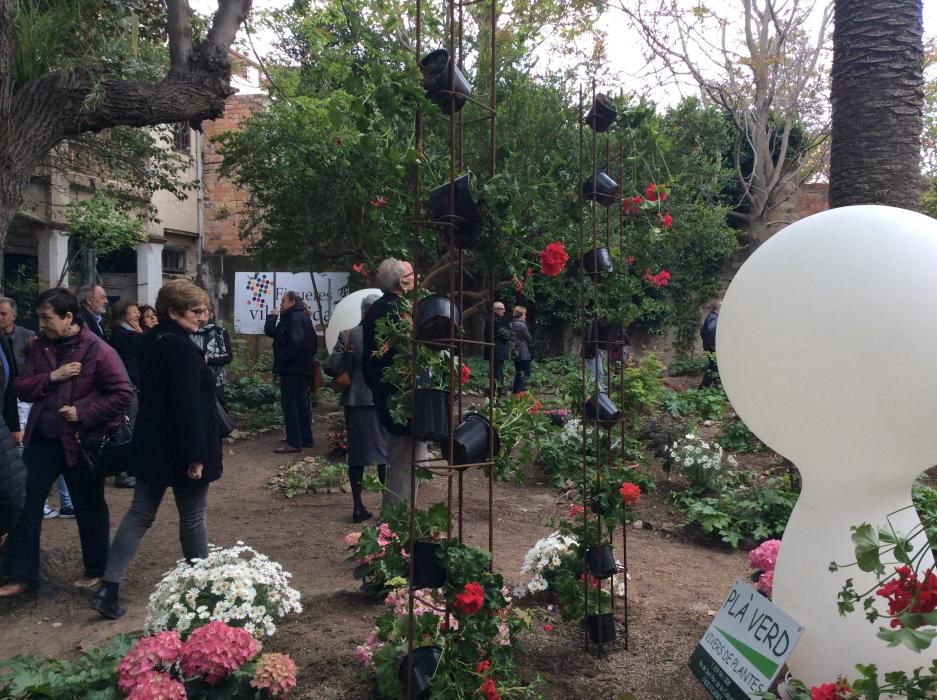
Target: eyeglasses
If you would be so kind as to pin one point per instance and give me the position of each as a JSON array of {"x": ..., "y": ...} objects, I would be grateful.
[{"x": 199, "y": 311}]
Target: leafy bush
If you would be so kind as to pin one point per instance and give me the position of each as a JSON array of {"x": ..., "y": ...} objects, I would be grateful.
[
  {"x": 684, "y": 366},
  {"x": 643, "y": 391},
  {"x": 705, "y": 404},
  {"x": 925, "y": 501},
  {"x": 304, "y": 477},
  {"x": 743, "y": 509},
  {"x": 254, "y": 402},
  {"x": 660, "y": 432},
  {"x": 736, "y": 437}
]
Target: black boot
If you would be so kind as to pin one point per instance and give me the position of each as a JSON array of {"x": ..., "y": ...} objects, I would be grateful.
[
  {"x": 382, "y": 473},
  {"x": 105, "y": 601},
  {"x": 360, "y": 513}
]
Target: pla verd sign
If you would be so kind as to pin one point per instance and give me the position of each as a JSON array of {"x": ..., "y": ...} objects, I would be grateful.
[{"x": 745, "y": 647}]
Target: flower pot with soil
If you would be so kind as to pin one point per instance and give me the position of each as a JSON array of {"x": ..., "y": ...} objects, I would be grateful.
[
  {"x": 602, "y": 409},
  {"x": 428, "y": 572},
  {"x": 431, "y": 412},
  {"x": 433, "y": 313},
  {"x": 602, "y": 115},
  {"x": 600, "y": 561},
  {"x": 464, "y": 216},
  {"x": 601, "y": 188},
  {"x": 601, "y": 628},
  {"x": 470, "y": 441},
  {"x": 440, "y": 85},
  {"x": 425, "y": 661}
]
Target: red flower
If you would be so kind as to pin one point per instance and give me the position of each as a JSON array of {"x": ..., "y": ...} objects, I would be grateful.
[
  {"x": 530, "y": 272},
  {"x": 630, "y": 493},
  {"x": 632, "y": 205},
  {"x": 360, "y": 268},
  {"x": 535, "y": 409},
  {"x": 519, "y": 284},
  {"x": 593, "y": 581},
  {"x": 482, "y": 666},
  {"x": 661, "y": 279},
  {"x": 553, "y": 259},
  {"x": 489, "y": 690},
  {"x": 630, "y": 260},
  {"x": 548, "y": 628},
  {"x": 471, "y": 600},
  {"x": 466, "y": 373},
  {"x": 831, "y": 691},
  {"x": 906, "y": 594},
  {"x": 379, "y": 202},
  {"x": 666, "y": 220},
  {"x": 653, "y": 194},
  {"x": 576, "y": 510}
]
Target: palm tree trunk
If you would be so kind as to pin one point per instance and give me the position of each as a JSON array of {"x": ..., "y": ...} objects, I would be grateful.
[{"x": 877, "y": 97}]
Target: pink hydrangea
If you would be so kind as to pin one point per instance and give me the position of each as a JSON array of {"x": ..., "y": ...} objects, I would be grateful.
[
  {"x": 157, "y": 686},
  {"x": 160, "y": 650},
  {"x": 766, "y": 583},
  {"x": 275, "y": 673},
  {"x": 764, "y": 556},
  {"x": 385, "y": 535},
  {"x": 215, "y": 650}
]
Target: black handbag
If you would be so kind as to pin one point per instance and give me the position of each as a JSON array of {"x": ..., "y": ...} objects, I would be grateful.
[{"x": 225, "y": 422}]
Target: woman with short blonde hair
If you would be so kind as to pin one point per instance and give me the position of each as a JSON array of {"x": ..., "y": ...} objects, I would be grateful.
[{"x": 523, "y": 354}]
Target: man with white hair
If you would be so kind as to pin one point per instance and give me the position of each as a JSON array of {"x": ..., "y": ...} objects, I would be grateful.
[{"x": 394, "y": 278}]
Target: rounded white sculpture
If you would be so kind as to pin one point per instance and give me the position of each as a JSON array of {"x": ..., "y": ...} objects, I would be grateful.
[
  {"x": 345, "y": 315},
  {"x": 827, "y": 346}
]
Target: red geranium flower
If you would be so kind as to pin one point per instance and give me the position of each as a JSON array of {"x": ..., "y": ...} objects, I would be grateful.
[
  {"x": 653, "y": 194},
  {"x": 553, "y": 259},
  {"x": 661, "y": 279},
  {"x": 360, "y": 268},
  {"x": 632, "y": 205},
  {"x": 530, "y": 272},
  {"x": 630, "y": 260},
  {"x": 482, "y": 666},
  {"x": 489, "y": 690},
  {"x": 593, "y": 581},
  {"x": 535, "y": 409},
  {"x": 576, "y": 510},
  {"x": 905, "y": 594},
  {"x": 548, "y": 627},
  {"x": 831, "y": 691},
  {"x": 379, "y": 202},
  {"x": 666, "y": 220},
  {"x": 466, "y": 373},
  {"x": 471, "y": 600},
  {"x": 630, "y": 493}
]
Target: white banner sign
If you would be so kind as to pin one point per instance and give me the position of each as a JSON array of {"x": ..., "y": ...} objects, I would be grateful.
[{"x": 258, "y": 293}]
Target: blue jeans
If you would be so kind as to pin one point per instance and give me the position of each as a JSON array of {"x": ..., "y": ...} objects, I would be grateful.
[{"x": 596, "y": 366}]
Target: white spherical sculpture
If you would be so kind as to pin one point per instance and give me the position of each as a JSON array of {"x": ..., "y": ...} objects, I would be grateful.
[
  {"x": 346, "y": 314},
  {"x": 827, "y": 346}
]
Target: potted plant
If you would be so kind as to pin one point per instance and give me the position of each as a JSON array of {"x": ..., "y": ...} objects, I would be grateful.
[
  {"x": 470, "y": 441},
  {"x": 602, "y": 115},
  {"x": 601, "y": 188},
  {"x": 442, "y": 80},
  {"x": 464, "y": 218}
]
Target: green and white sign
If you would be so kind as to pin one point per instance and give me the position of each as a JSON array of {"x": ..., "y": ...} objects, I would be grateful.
[{"x": 744, "y": 648}]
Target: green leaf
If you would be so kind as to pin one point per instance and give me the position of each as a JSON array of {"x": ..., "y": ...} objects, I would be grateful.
[
  {"x": 915, "y": 639},
  {"x": 866, "y": 541}
]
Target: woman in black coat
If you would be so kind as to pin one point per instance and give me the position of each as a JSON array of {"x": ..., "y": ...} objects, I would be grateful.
[
  {"x": 126, "y": 337},
  {"x": 176, "y": 438}
]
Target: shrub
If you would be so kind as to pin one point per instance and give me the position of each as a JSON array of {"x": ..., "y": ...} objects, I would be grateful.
[
  {"x": 684, "y": 366},
  {"x": 704, "y": 404},
  {"x": 736, "y": 437},
  {"x": 658, "y": 433},
  {"x": 700, "y": 462}
]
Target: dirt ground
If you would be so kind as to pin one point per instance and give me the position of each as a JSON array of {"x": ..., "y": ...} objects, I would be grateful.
[{"x": 674, "y": 584}]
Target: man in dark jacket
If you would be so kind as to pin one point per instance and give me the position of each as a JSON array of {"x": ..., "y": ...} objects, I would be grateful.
[
  {"x": 498, "y": 331},
  {"x": 93, "y": 300},
  {"x": 294, "y": 354},
  {"x": 708, "y": 333},
  {"x": 76, "y": 382},
  {"x": 12, "y": 471}
]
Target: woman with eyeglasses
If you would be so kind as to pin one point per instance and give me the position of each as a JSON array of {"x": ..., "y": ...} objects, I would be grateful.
[{"x": 176, "y": 438}]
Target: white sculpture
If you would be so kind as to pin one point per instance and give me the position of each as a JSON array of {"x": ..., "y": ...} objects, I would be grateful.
[
  {"x": 345, "y": 315},
  {"x": 827, "y": 349}
]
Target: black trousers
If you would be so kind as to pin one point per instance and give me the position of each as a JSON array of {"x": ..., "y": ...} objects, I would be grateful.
[
  {"x": 521, "y": 375},
  {"x": 711, "y": 378},
  {"x": 45, "y": 460},
  {"x": 499, "y": 374},
  {"x": 295, "y": 404}
]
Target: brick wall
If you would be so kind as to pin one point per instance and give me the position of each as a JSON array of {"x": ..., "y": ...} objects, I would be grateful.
[
  {"x": 223, "y": 201},
  {"x": 810, "y": 198}
]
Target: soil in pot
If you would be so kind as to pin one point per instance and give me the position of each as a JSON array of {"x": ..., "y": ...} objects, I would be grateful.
[
  {"x": 433, "y": 314},
  {"x": 436, "y": 82},
  {"x": 602, "y": 115}
]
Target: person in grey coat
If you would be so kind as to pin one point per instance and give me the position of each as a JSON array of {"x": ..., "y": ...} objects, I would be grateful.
[
  {"x": 367, "y": 438},
  {"x": 523, "y": 355}
]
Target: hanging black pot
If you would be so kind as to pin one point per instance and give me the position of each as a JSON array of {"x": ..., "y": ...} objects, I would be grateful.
[
  {"x": 432, "y": 314},
  {"x": 428, "y": 572},
  {"x": 465, "y": 215},
  {"x": 600, "y": 561},
  {"x": 602, "y": 409},
  {"x": 611, "y": 333},
  {"x": 602, "y": 115},
  {"x": 470, "y": 441},
  {"x": 431, "y": 410},
  {"x": 436, "y": 82},
  {"x": 601, "y": 188},
  {"x": 597, "y": 261},
  {"x": 425, "y": 661},
  {"x": 601, "y": 628}
]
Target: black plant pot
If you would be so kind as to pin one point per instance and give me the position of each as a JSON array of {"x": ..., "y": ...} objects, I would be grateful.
[
  {"x": 601, "y": 188},
  {"x": 427, "y": 571},
  {"x": 465, "y": 216},
  {"x": 435, "y": 69},
  {"x": 432, "y": 314},
  {"x": 602, "y": 115},
  {"x": 600, "y": 408},
  {"x": 470, "y": 441},
  {"x": 425, "y": 661},
  {"x": 431, "y": 410},
  {"x": 611, "y": 333},
  {"x": 597, "y": 261},
  {"x": 601, "y": 628},
  {"x": 600, "y": 561}
]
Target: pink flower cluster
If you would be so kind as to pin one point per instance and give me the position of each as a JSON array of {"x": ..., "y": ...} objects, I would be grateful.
[
  {"x": 385, "y": 535},
  {"x": 275, "y": 673},
  {"x": 365, "y": 651},
  {"x": 161, "y": 650},
  {"x": 764, "y": 558},
  {"x": 215, "y": 650},
  {"x": 158, "y": 686}
]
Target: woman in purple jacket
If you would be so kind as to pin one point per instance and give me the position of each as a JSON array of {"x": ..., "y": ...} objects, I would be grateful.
[{"x": 75, "y": 381}]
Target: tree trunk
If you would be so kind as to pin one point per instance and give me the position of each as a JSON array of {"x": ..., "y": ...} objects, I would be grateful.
[{"x": 877, "y": 97}]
